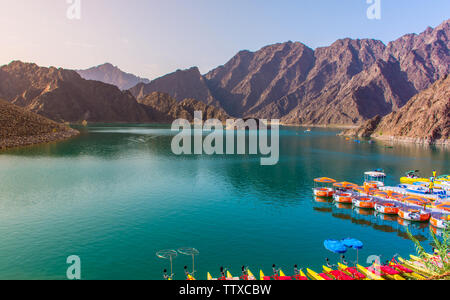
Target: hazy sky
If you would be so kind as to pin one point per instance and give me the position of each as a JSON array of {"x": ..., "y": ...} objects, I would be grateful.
[{"x": 153, "y": 37}]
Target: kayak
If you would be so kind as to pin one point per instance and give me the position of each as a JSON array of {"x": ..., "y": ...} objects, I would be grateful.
[
  {"x": 338, "y": 275},
  {"x": 209, "y": 277},
  {"x": 250, "y": 275},
  {"x": 301, "y": 276},
  {"x": 315, "y": 276},
  {"x": 190, "y": 277},
  {"x": 284, "y": 277},
  {"x": 389, "y": 272},
  {"x": 352, "y": 272},
  {"x": 408, "y": 180},
  {"x": 407, "y": 272},
  {"x": 417, "y": 267},
  {"x": 230, "y": 277},
  {"x": 372, "y": 275}
]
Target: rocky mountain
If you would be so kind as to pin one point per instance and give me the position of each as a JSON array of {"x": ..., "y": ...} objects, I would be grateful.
[
  {"x": 343, "y": 84},
  {"x": 163, "y": 108},
  {"x": 182, "y": 84},
  {"x": 19, "y": 127},
  {"x": 110, "y": 74},
  {"x": 63, "y": 96},
  {"x": 424, "y": 119}
]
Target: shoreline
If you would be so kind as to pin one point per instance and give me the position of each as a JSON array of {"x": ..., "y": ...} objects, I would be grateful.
[
  {"x": 48, "y": 138},
  {"x": 403, "y": 140}
]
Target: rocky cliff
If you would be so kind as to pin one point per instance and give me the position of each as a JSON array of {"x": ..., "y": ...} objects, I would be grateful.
[
  {"x": 424, "y": 119},
  {"x": 182, "y": 84}
]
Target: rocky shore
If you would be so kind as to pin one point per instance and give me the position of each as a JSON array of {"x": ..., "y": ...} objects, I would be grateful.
[
  {"x": 19, "y": 128},
  {"x": 19, "y": 141}
]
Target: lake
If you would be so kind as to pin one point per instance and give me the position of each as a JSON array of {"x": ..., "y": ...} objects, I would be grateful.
[{"x": 116, "y": 195}]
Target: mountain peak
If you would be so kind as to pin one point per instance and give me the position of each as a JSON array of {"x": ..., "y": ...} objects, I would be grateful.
[{"x": 108, "y": 73}]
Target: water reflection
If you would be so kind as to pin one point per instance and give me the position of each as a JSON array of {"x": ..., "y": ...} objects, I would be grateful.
[{"x": 369, "y": 218}]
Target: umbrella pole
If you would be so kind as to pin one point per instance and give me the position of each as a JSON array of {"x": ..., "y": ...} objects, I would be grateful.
[{"x": 357, "y": 256}]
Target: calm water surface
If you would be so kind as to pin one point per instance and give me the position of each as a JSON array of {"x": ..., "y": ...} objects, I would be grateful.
[{"x": 116, "y": 195}]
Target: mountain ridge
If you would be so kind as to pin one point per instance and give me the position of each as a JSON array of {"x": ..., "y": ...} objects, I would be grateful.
[
  {"x": 425, "y": 119},
  {"x": 108, "y": 73}
]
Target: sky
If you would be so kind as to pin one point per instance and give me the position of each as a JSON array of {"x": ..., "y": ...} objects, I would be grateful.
[{"x": 150, "y": 38}]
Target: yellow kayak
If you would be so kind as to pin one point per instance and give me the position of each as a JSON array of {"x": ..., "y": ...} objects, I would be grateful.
[
  {"x": 209, "y": 277},
  {"x": 261, "y": 275},
  {"x": 313, "y": 275},
  {"x": 419, "y": 269},
  {"x": 250, "y": 275},
  {"x": 326, "y": 269},
  {"x": 344, "y": 269},
  {"x": 413, "y": 275},
  {"x": 230, "y": 277},
  {"x": 369, "y": 274},
  {"x": 282, "y": 274},
  {"x": 189, "y": 277}
]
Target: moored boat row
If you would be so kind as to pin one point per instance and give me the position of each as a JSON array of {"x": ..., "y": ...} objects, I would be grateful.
[
  {"x": 402, "y": 269},
  {"x": 430, "y": 207}
]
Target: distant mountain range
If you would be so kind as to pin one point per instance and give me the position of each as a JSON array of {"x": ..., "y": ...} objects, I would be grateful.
[
  {"x": 345, "y": 84},
  {"x": 425, "y": 119},
  {"x": 110, "y": 74}
]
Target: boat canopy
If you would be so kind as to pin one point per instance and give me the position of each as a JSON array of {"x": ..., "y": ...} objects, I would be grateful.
[
  {"x": 353, "y": 243},
  {"x": 335, "y": 246},
  {"x": 416, "y": 200},
  {"x": 375, "y": 174},
  {"x": 347, "y": 185},
  {"x": 325, "y": 180},
  {"x": 444, "y": 206}
]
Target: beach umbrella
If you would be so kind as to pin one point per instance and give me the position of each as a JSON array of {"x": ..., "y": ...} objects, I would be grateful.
[
  {"x": 355, "y": 244},
  {"x": 335, "y": 246},
  {"x": 324, "y": 180},
  {"x": 345, "y": 185}
]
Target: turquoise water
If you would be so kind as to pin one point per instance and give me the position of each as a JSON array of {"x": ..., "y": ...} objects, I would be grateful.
[{"x": 116, "y": 195}]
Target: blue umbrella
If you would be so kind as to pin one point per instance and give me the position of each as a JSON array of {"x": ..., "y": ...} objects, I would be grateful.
[
  {"x": 352, "y": 243},
  {"x": 355, "y": 244},
  {"x": 335, "y": 246}
]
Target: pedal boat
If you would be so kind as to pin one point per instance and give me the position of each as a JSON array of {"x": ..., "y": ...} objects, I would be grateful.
[
  {"x": 440, "y": 220},
  {"x": 414, "y": 214},
  {"x": 364, "y": 202},
  {"x": 343, "y": 197},
  {"x": 387, "y": 208}
]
